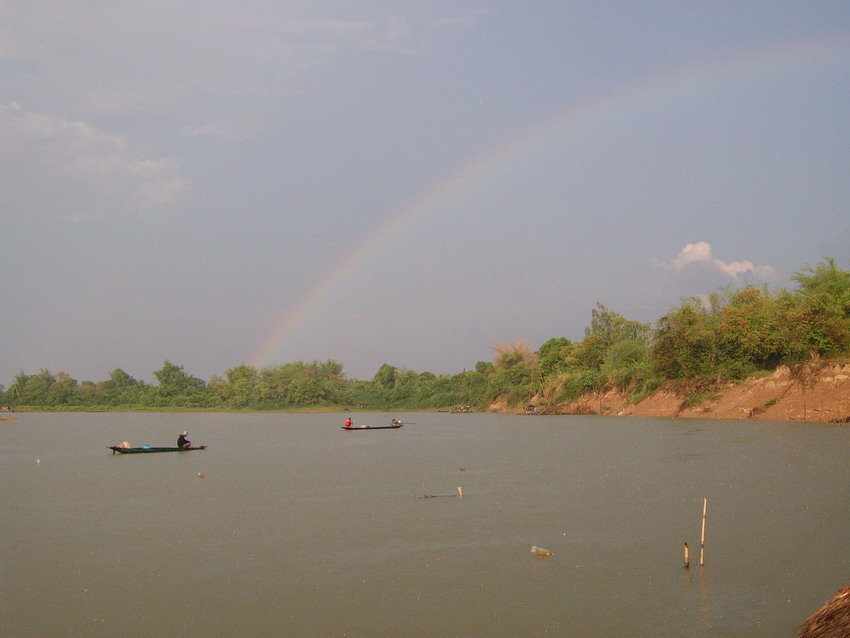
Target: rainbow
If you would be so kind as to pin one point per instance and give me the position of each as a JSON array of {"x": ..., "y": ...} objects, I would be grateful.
[{"x": 627, "y": 98}]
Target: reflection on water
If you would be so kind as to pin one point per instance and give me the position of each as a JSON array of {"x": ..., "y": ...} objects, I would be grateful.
[{"x": 288, "y": 525}]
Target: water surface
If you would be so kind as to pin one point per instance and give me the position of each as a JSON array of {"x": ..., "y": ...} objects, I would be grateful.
[{"x": 289, "y": 526}]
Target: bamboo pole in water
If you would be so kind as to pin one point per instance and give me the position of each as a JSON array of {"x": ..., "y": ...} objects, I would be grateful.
[
  {"x": 702, "y": 535},
  {"x": 687, "y": 556}
]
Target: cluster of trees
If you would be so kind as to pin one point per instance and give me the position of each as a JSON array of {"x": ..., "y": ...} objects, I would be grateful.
[
  {"x": 289, "y": 386},
  {"x": 730, "y": 335}
]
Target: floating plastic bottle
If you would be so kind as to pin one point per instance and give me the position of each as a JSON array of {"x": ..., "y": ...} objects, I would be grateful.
[{"x": 539, "y": 551}]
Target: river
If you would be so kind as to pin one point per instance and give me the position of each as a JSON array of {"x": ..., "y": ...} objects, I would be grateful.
[{"x": 289, "y": 526}]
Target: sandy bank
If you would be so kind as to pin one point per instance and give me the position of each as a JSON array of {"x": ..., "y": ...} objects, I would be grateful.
[{"x": 813, "y": 391}]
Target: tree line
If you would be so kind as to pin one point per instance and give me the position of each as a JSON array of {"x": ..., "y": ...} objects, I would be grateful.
[{"x": 729, "y": 335}]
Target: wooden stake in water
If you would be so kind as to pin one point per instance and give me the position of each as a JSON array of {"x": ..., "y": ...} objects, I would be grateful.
[
  {"x": 687, "y": 556},
  {"x": 702, "y": 535}
]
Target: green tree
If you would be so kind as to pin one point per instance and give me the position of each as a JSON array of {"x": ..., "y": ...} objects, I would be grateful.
[
  {"x": 684, "y": 344},
  {"x": 121, "y": 379},
  {"x": 514, "y": 383},
  {"x": 303, "y": 384},
  {"x": 239, "y": 391},
  {"x": 176, "y": 387},
  {"x": 514, "y": 371},
  {"x": 484, "y": 367},
  {"x": 553, "y": 356},
  {"x": 627, "y": 363},
  {"x": 606, "y": 328},
  {"x": 64, "y": 391},
  {"x": 34, "y": 389},
  {"x": 824, "y": 278},
  {"x": 385, "y": 377},
  {"x": 817, "y": 325},
  {"x": 820, "y": 323},
  {"x": 749, "y": 333}
]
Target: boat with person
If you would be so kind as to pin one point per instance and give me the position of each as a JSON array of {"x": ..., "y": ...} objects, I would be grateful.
[
  {"x": 394, "y": 425},
  {"x": 117, "y": 449}
]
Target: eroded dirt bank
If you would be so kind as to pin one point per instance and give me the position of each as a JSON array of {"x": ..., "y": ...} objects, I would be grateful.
[{"x": 814, "y": 391}]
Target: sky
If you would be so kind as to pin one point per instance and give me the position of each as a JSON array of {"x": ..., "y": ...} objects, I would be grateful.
[{"x": 412, "y": 183}]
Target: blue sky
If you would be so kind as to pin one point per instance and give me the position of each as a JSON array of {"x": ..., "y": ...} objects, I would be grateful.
[{"x": 400, "y": 182}]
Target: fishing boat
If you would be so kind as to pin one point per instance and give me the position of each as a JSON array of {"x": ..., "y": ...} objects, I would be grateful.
[
  {"x": 147, "y": 448},
  {"x": 373, "y": 427}
]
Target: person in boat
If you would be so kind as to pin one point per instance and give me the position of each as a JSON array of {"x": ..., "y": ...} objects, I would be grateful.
[
  {"x": 182, "y": 442},
  {"x": 396, "y": 422},
  {"x": 349, "y": 422}
]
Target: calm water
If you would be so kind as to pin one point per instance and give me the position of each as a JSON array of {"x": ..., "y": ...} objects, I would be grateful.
[{"x": 297, "y": 528}]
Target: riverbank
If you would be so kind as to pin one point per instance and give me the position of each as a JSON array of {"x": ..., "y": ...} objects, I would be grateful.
[{"x": 812, "y": 391}]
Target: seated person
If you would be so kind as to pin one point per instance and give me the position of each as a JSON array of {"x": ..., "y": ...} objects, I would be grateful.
[{"x": 182, "y": 442}]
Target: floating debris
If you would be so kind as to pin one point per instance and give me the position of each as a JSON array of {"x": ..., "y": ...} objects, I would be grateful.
[
  {"x": 539, "y": 551},
  {"x": 459, "y": 493}
]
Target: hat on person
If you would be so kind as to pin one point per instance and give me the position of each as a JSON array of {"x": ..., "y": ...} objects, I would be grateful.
[{"x": 184, "y": 434}]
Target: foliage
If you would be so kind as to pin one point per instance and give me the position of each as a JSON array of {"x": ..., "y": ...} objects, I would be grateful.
[
  {"x": 754, "y": 329},
  {"x": 728, "y": 335},
  {"x": 386, "y": 376},
  {"x": 177, "y": 388},
  {"x": 684, "y": 342},
  {"x": 824, "y": 279},
  {"x": 552, "y": 356}
]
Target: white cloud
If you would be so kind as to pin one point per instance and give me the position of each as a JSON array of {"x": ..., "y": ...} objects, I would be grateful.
[
  {"x": 700, "y": 253},
  {"x": 77, "y": 171},
  {"x": 18, "y": 122}
]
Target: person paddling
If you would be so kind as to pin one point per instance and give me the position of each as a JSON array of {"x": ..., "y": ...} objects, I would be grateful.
[
  {"x": 349, "y": 422},
  {"x": 182, "y": 442}
]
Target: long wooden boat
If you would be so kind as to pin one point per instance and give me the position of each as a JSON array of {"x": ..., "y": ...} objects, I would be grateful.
[
  {"x": 373, "y": 427},
  {"x": 147, "y": 448}
]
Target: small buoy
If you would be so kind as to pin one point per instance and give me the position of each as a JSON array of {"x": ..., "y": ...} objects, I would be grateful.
[
  {"x": 463, "y": 469},
  {"x": 201, "y": 475},
  {"x": 539, "y": 551},
  {"x": 38, "y": 461}
]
